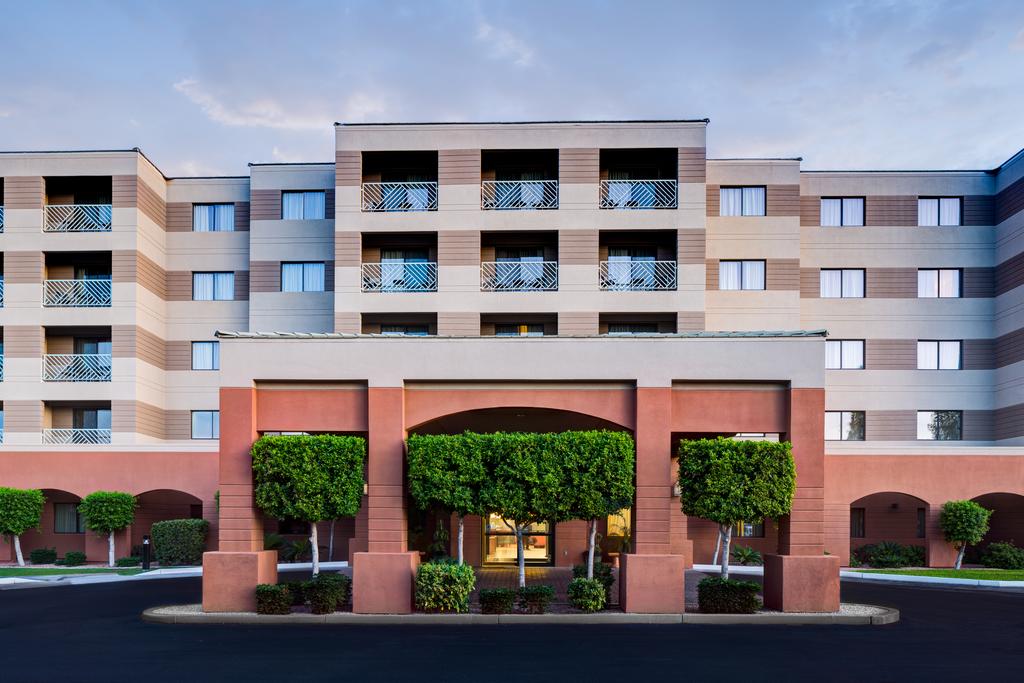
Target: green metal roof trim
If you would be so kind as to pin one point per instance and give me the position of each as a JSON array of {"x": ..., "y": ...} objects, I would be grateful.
[{"x": 753, "y": 334}]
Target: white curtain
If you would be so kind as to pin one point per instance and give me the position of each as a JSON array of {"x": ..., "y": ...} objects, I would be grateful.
[
  {"x": 833, "y": 425},
  {"x": 753, "y": 275},
  {"x": 949, "y": 211},
  {"x": 853, "y": 211},
  {"x": 291, "y": 277},
  {"x": 924, "y": 420},
  {"x": 927, "y": 284},
  {"x": 831, "y": 212},
  {"x": 853, "y": 283},
  {"x": 202, "y": 218},
  {"x": 831, "y": 284},
  {"x": 949, "y": 355},
  {"x": 927, "y": 355},
  {"x": 224, "y": 217},
  {"x": 292, "y": 206},
  {"x": 730, "y": 201},
  {"x": 853, "y": 354},
  {"x": 833, "y": 355},
  {"x": 729, "y": 273},
  {"x": 313, "y": 277},
  {"x": 949, "y": 283},
  {"x": 753, "y": 201},
  {"x": 202, "y": 286},
  {"x": 65, "y": 518},
  {"x": 927, "y": 212},
  {"x": 223, "y": 286},
  {"x": 206, "y": 355}
]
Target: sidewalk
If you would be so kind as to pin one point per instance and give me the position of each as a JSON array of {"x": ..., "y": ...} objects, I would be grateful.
[{"x": 854, "y": 575}]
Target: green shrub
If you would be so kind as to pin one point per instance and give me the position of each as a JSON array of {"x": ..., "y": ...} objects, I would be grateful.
[
  {"x": 74, "y": 558},
  {"x": 535, "y": 599},
  {"x": 43, "y": 556},
  {"x": 889, "y": 555},
  {"x": 497, "y": 600},
  {"x": 602, "y": 573},
  {"x": 745, "y": 555},
  {"x": 587, "y": 594},
  {"x": 854, "y": 560},
  {"x": 326, "y": 592},
  {"x": 271, "y": 599},
  {"x": 180, "y": 541},
  {"x": 295, "y": 588},
  {"x": 997, "y": 556},
  {"x": 716, "y": 595},
  {"x": 444, "y": 587},
  {"x": 130, "y": 561}
]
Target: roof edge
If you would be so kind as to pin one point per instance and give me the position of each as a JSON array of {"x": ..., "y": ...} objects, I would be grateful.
[{"x": 753, "y": 334}]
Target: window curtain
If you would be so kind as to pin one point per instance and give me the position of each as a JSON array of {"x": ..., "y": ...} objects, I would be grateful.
[
  {"x": 730, "y": 201},
  {"x": 831, "y": 284},
  {"x": 949, "y": 355},
  {"x": 531, "y": 191},
  {"x": 831, "y": 212},
  {"x": 223, "y": 286},
  {"x": 205, "y": 356},
  {"x": 833, "y": 355},
  {"x": 853, "y": 211},
  {"x": 833, "y": 426},
  {"x": 729, "y": 273},
  {"x": 853, "y": 283},
  {"x": 224, "y": 217},
  {"x": 949, "y": 211},
  {"x": 313, "y": 277},
  {"x": 753, "y": 201},
  {"x": 202, "y": 286},
  {"x": 853, "y": 354},
  {"x": 202, "y": 218},
  {"x": 292, "y": 206},
  {"x": 65, "y": 518},
  {"x": 927, "y": 355},
  {"x": 949, "y": 283},
  {"x": 927, "y": 284},
  {"x": 619, "y": 191},
  {"x": 927, "y": 212},
  {"x": 291, "y": 277},
  {"x": 753, "y": 275}
]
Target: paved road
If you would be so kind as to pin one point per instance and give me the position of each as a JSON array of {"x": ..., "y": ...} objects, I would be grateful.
[{"x": 87, "y": 633}]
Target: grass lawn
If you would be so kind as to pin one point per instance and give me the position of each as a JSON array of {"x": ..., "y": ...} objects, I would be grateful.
[
  {"x": 17, "y": 572},
  {"x": 982, "y": 574}
]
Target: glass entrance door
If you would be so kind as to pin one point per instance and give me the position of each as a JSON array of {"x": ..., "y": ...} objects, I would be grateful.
[{"x": 500, "y": 542}]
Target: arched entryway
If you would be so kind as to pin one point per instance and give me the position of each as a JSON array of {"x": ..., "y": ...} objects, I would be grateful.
[
  {"x": 61, "y": 526},
  {"x": 888, "y": 516},
  {"x": 161, "y": 505},
  {"x": 1006, "y": 523}
]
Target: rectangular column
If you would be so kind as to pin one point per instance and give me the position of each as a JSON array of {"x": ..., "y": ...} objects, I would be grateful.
[
  {"x": 386, "y": 522},
  {"x": 802, "y": 532},
  {"x": 241, "y": 526},
  {"x": 651, "y": 529}
]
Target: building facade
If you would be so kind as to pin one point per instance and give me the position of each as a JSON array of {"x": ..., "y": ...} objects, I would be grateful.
[{"x": 515, "y": 276}]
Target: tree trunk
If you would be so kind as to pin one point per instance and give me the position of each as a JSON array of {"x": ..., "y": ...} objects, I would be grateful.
[
  {"x": 461, "y": 536},
  {"x": 726, "y": 533},
  {"x": 521, "y": 556},
  {"x": 17, "y": 550},
  {"x": 110, "y": 548},
  {"x": 718, "y": 546},
  {"x": 960, "y": 555},
  {"x": 590, "y": 548},
  {"x": 315, "y": 547},
  {"x": 330, "y": 543}
]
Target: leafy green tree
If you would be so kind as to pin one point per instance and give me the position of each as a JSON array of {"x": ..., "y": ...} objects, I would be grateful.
[
  {"x": 728, "y": 481},
  {"x": 447, "y": 470},
  {"x": 20, "y": 510},
  {"x": 963, "y": 523},
  {"x": 310, "y": 478},
  {"x": 107, "y": 512}
]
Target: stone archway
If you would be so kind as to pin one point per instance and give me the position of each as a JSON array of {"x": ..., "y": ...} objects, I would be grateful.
[
  {"x": 889, "y": 516},
  {"x": 1006, "y": 523}
]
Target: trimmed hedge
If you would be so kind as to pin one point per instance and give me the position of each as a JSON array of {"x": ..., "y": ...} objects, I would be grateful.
[
  {"x": 271, "y": 599},
  {"x": 179, "y": 541},
  {"x": 295, "y": 587},
  {"x": 497, "y": 600},
  {"x": 326, "y": 592},
  {"x": 43, "y": 556},
  {"x": 587, "y": 594},
  {"x": 130, "y": 561},
  {"x": 535, "y": 599},
  {"x": 999, "y": 555},
  {"x": 716, "y": 595},
  {"x": 890, "y": 555},
  {"x": 73, "y": 558},
  {"x": 444, "y": 587},
  {"x": 602, "y": 573}
]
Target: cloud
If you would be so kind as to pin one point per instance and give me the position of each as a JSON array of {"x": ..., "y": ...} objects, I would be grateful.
[
  {"x": 261, "y": 113},
  {"x": 360, "y": 107},
  {"x": 505, "y": 45},
  {"x": 1018, "y": 42}
]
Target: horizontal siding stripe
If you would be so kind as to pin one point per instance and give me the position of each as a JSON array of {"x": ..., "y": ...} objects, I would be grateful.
[
  {"x": 579, "y": 165},
  {"x": 692, "y": 164},
  {"x": 458, "y": 248},
  {"x": 1010, "y": 201},
  {"x": 890, "y": 211},
  {"x": 578, "y": 247},
  {"x": 578, "y": 323},
  {"x": 23, "y": 192},
  {"x": 460, "y": 324},
  {"x": 23, "y": 267},
  {"x": 692, "y": 246},
  {"x": 458, "y": 167},
  {"x": 783, "y": 200},
  {"x": 265, "y": 205}
]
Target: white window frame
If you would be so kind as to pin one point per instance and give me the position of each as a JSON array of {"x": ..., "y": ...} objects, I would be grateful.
[
  {"x": 214, "y": 355},
  {"x": 834, "y": 421},
  {"x": 217, "y": 212},
  {"x": 745, "y": 212},
  {"x": 929, "y": 350},
  {"x": 842, "y": 212},
  {"x": 923, "y": 417},
  {"x": 743, "y": 275},
  {"x": 939, "y": 285},
  {"x": 842, "y": 283},
  {"x": 940, "y": 204},
  {"x": 306, "y": 200},
  {"x": 214, "y": 424},
  {"x": 222, "y": 281},
  {"x": 306, "y": 267},
  {"x": 848, "y": 350}
]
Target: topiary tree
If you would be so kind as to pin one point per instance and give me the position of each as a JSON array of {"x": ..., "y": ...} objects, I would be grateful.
[
  {"x": 728, "y": 481},
  {"x": 447, "y": 470},
  {"x": 20, "y": 510},
  {"x": 963, "y": 523},
  {"x": 311, "y": 478},
  {"x": 107, "y": 512}
]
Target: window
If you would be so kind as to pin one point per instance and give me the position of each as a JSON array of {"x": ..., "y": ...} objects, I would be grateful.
[
  {"x": 934, "y": 211},
  {"x": 213, "y": 217},
  {"x": 206, "y": 355},
  {"x": 205, "y": 424},
  {"x": 741, "y": 201},
  {"x": 921, "y": 518},
  {"x": 67, "y": 519},
  {"x": 845, "y": 283},
  {"x": 619, "y": 523},
  {"x": 404, "y": 330},
  {"x": 938, "y": 355},
  {"x": 939, "y": 425},
  {"x": 749, "y": 530},
  {"x": 734, "y": 275},
  {"x": 303, "y": 205},
  {"x": 302, "y": 277},
  {"x": 938, "y": 283},
  {"x": 632, "y": 328},
  {"x": 857, "y": 529},
  {"x": 844, "y": 354},
  {"x": 844, "y": 425},
  {"x": 213, "y": 286},
  {"x": 842, "y": 211},
  {"x": 513, "y": 330},
  {"x": 90, "y": 418}
]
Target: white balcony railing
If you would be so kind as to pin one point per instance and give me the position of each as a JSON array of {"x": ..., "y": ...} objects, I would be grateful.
[
  {"x": 1, "y": 368},
  {"x": 1, "y": 291},
  {"x": 400, "y": 277},
  {"x": 638, "y": 276},
  {"x": 518, "y": 195},
  {"x": 639, "y": 194},
  {"x": 519, "y": 276},
  {"x": 76, "y": 293},
  {"x": 419, "y": 196},
  {"x": 1, "y": 219},
  {"x": 76, "y": 436},
  {"x": 78, "y": 218},
  {"x": 76, "y": 367}
]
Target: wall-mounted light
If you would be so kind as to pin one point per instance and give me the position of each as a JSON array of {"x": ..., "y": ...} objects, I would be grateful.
[{"x": 895, "y": 506}]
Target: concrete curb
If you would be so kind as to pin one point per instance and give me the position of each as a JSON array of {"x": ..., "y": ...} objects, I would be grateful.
[
  {"x": 928, "y": 580},
  {"x": 159, "y": 616}
]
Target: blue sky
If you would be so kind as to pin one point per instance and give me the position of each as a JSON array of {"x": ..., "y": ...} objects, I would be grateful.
[{"x": 205, "y": 87}]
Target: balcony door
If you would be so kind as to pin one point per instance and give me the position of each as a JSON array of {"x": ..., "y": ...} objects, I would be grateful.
[
  {"x": 399, "y": 269},
  {"x": 631, "y": 266},
  {"x": 500, "y": 542},
  {"x": 520, "y": 267}
]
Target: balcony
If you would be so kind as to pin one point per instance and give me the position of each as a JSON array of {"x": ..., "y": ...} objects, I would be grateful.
[
  {"x": 399, "y": 181},
  {"x": 639, "y": 179},
  {"x": 518, "y": 179},
  {"x": 76, "y": 367},
  {"x": 78, "y": 218},
  {"x": 91, "y": 293},
  {"x": 78, "y": 204},
  {"x": 518, "y": 195},
  {"x": 417, "y": 196},
  {"x": 400, "y": 277},
  {"x": 1, "y": 218},
  {"x": 76, "y": 436},
  {"x": 639, "y": 194},
  {"x": 638, "y": 276},
  {"x": 519, "y": 276},
  {"x": 1, "y": 368},
  {"x": 1, "y": 291}
]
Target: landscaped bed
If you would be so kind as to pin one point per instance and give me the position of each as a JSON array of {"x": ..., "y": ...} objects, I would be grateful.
[
  {"x": 25, "y": 572},
  {"x": 974, "y": 574}
]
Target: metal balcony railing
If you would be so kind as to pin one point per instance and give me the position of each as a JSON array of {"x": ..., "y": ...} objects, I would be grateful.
[
  {"x": 1, "y": 291},
  {"x": 518, "y": 195},
  {"x": 78, "y": 218},
  {"x": 519, "y": 276},
  {"x": 1, "y": 368},
  {"x": 76, "y": 293},
  {"x": 419, "y": 196},
  {"x": 638, "y": 276},
  {"x": 76, "y": 367},
  {"x": 400, "y": 277},
  {"x": 1, "y": 219},
  {"x": 76, "y": 436},
  {"x": 639, "y": 194}
]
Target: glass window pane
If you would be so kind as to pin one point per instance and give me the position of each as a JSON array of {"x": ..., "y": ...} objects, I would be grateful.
[
  {"x": 949, "y": 283},
  {"x": 949, "y": 211},
  {"x": 753, "y": 275},
  {"x": 202, "y": 218},
  {"x": 730, "y": 201},
  {"x": 313, "y": 277},
  {"x": 927, "y": 212},
  {"x": 833, "y": 426},
  {"x": 202, "y": 355},
  {"x": 853, "y": 283},
  {"x": 853, "y": 426},
  {"x": 753, "y": 201},
  {"x": 927, "y": 355},
  {"x": 223, "y": 286},
  {"x": 924, "y": 421},
  {"x": 292, "y": 206},
  {"x": 853, "y": 211},
  {"x": 853, "y": 354},
  {"x": 224, "y": 217},
  {"x": 831, "y": 212},
  {"x": 202, "y": 286},
  {"x": 291, "y": 277},
  {"x": 927, "y": 284},
  {"x": 949, "y": 355},
  {"x": 831, "y": 284},
  {"x": 314, "y": 205},
  {"x": 833, "y": 355},
  {"x": 729, "y": 274}
]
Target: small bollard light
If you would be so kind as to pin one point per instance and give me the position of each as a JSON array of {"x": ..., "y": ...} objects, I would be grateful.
[{"x": 145, "y": 552}]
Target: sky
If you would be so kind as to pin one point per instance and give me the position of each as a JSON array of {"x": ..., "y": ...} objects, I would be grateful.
[{"x": 203, "y": 88}]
